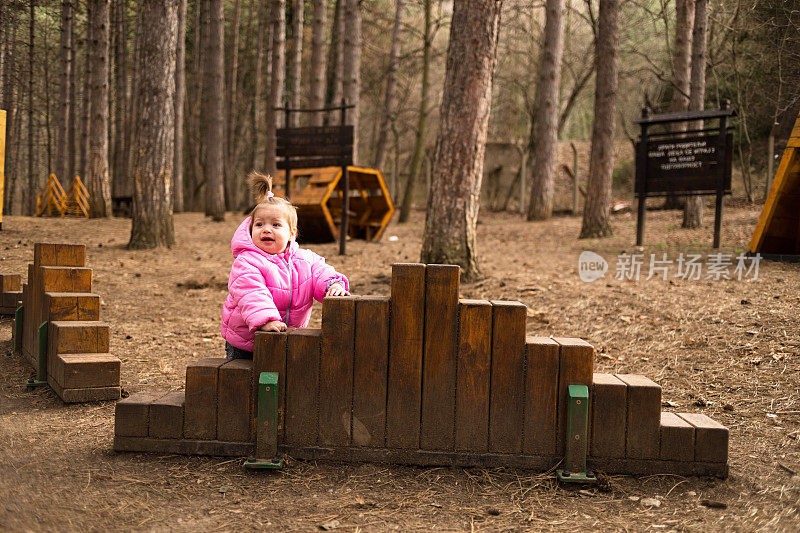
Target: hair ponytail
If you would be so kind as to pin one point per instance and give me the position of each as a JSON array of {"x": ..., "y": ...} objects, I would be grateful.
[{"x": 261, "y": 185}]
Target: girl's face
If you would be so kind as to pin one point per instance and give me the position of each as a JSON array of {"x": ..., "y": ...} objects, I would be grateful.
[{"x": 271, "y": 231}]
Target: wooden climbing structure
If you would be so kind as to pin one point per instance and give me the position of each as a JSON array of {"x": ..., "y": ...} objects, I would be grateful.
[
  {"x": 58, "y": 329},
  {"x": 10, "y": 293},
  {"x": 317, "y": 193},
  {"x": 777, "y": 232},
  {"x": 52, "y": 200},
  {"x": 425, "y": 378},
  {"x": 77, "y": 201}
]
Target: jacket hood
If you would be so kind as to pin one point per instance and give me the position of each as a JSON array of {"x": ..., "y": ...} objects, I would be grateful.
[{"x": 242, "y": 241}]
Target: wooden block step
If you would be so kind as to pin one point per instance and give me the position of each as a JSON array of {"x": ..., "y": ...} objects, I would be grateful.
[
  {"x": 64, "y": 279},
  {"x": 710, "y": 438},
  {"x": 677, "y": 438},
  {"x": 80, "y": 395},
  {"x": 473, "y": 367},
  {"x": 370, "y": 365},
  {"x": 77, "y": 336},
  {"x": 269, "y": 355},
  {"x": 336, "y": 370},
  {"x": 166, "y": 416},
  {"x": 182, "y": 446},
  {"x": 10, "y": 283},
  {"x": 507, "y": 394},
  {"x": 200, "y": 411},
  {"x": 575, "y": 368},
  {"x": 132, "y": 414},
  {"x": 12, "y": 299},
  {"x": 302, "y": 384},
  {"x": 609, "y": 396},
  {"x": 70, "y": 306},
  {"x": 234, "y": 418},
  {"x": 643, "y": 426},
  {"x": 57, "y": 254},
  {"x": 541, "y": 396},
  {"x": 85, "y": 370}
]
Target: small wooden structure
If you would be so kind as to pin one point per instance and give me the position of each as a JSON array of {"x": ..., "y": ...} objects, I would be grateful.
[
  {"x": 425, "y": 378},
  {"x": 778, "y": 230},
  {"x": 77, "y": 203},
  {"x": 317, "y": 193},
  {"x": 52, "y": 198}
]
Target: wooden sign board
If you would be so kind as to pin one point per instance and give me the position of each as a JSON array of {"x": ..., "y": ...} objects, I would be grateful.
[
  {"x": 315, "y": 147},
  {"x": 683, "y": 166}
]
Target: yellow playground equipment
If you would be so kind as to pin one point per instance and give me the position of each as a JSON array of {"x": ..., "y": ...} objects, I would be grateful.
[
  {"x": 53, "y": 201},
  {"x": 317, "y": 193}
]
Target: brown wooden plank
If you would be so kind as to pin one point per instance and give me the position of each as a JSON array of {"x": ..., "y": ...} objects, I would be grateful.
[
  {"x": 131, "y": 414},
  {"x": 200, "y": 410},
  {"x": 234, "y": 420},
  {"x": 507, "y": 394},
  {"x": 183, "y": 446},
  {"x": 65, "y": 279},
  {"x": 370, "y": 364},
  {"x": 269, "y": 355},
  {"x": 677, "y": 438},
  {"x": 609, "y": 416},
  {"x": 336, "y": 370},
  {"x": 87, "y": 394},
  {"x": 77, "y": 336},
  {"x": 437, "y": 426},
  {"x": 710, "y": 438},
  {"x": 84, "y": 370},
  {"x": 644, "y": 417},
  {"x": 59, "y": 306},
  {"x": 541, "y": 396},
  {"x": 10, "y": 282},
  {"x": 166, "y": 416},
  {"x": 49, "y": 254},
  {"x": 12, "y": 299},
  {"x": 472, "y": 375},
  {"x": 405, "y": 355},
  {"x": 302, "y": 378},
  {"x": 575, "y": 368}
]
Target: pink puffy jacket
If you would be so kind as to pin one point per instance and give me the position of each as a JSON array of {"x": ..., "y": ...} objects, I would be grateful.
[{"x": 261, "y": 287}]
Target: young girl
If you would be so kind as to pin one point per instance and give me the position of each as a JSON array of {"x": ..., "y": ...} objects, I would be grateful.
[{"x": 273, "y": 282}]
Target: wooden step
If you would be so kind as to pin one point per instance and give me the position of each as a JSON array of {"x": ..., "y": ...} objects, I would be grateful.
[
  {"x": 77, "y": 336},
  {"x": 57, "y": 254},
  {"x": 85, "y": 370},
  {"x": 10, "y": 283},
  {"x": 70, "y": 306},
  {"x": 200, "y": 412}
]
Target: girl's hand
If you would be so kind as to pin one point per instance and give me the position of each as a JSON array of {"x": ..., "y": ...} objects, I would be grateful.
[
  {"x": 337, "y": 290},
  {"x": 273, "y": 325}
]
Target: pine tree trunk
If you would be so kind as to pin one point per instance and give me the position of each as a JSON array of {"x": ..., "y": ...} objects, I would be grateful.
[
  {"x": 180, "y": 99},
  {"x": 318, "y": 59},
  {"x": 98, "y": 183},
  {"x": 278, "y": 23},
  {"x": 153, "y": 158},
  {"x": 296, "y": 60},
  {"x": 231, "y": 88},
  {"x": 10, "y": 105},
  {"x": 194, "y": 146},
  {"x": 120, "y": 172},
  {"x": 351, "y": 68},
  {"x": 65, "y": 104},
  {"x": 390, "y": 100},
  {"x": 682, "y": 66},
  {"x": 422, "y": 117},
  {"x": 693, "y": 210},
  {"x": 83, "y": 166},
  {"x": 72, "y": 120},
  {"x": 543, "y": 144},
  {"x": 211, "y": 112},
  {"x": 33, "y": 185},
  {"x": 454, "y": 198},
  {"x": 259, "y": 70},
  {"x": 601, "y": 163},
  {"x": 333, "y": 84}
]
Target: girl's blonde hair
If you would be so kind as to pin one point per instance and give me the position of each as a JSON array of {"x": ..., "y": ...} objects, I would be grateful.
[{"x": 261, "y": 185}]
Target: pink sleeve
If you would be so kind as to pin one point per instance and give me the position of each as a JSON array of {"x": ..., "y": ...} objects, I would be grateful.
[
  {"x": 324, "y": 276},
  {"x": 251, "y": 295}
]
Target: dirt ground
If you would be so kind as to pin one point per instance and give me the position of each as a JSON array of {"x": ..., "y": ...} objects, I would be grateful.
[{"x": 727, "y": 348}]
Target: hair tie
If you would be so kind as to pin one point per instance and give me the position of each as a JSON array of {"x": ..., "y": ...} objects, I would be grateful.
[{"x": 270, "y": 194}]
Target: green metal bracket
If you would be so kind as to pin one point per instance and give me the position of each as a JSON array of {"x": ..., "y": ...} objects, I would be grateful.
[
  {"x": 41, "y": 372},
  {"x": 266, "y": 425},
  {"x": 19, "y": 315},
  {"x": 574, "y": 470}
]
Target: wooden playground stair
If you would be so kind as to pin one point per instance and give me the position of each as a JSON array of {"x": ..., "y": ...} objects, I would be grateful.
[
  {"x": 75, "y": 361},
  {"x": 425, "y": 378},
  {"x": 10, "y": 293}
]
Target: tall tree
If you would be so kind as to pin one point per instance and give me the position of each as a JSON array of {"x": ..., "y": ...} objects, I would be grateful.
[
  {"x": 152, "y": 223},
  {"x": 390, "y": 100},
  {"x": 98, "y": 183},
  {"x": 681, "y": 67},
  {"x": 9, "y": 103},
  {"x": 318, "y": 59},
  {"x": 278, "y": 23},
  {"x": 543, "y": 143},
  {"x": 260, "y": 70},
  {"x": 231, "y": 89},
  {"x": 351, "y": 67},
  {"x": 601, "y": 160},
  {"x": 422, "y": 117},
  {"x": 65, "y": 103},
  {"x": 333, "y": 83},
  {"x": 33, "y": 185},
  {"x": 180, "y": 99},
  {"x": 211, "y": 112},
  {"x": 454, "y": 198},
  {"x": 296, "y": 59},
  {"x": 119, "y": 179},
  {"x": 693, "y": 210}
]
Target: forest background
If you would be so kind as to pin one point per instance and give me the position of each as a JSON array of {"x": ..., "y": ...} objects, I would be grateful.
[{"x": 386, "y": 57}]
